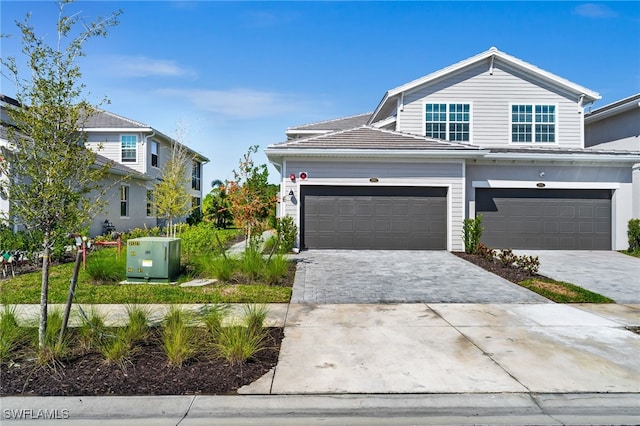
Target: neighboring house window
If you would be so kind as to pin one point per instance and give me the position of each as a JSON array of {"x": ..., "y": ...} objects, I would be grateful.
[
  {"x": 154, "y": 153},
  {"x": 124, "y": 201},
  {"x": 195, "y": 175},
  {"x": 150, "y": 209},
  {"x": 129, "y": 147},
  {"x": 533, "y": 123},
  {"x": 448, "y": 121}
]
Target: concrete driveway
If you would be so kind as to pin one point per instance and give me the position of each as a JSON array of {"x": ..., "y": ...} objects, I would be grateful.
[
  {"x": 609, "y": 273},
  {"x": 388, "y": 276}
]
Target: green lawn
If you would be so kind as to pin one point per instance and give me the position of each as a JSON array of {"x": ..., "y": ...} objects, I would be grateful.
[
  {"x": 562, "y": 292},
  {"x": 26, "y": 289}
]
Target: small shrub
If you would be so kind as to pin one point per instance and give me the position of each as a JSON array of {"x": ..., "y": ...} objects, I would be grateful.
[
  {"x": 530, "y": 264},
  {"x": 117, "y": 349},
  {"x": 276, "y": 269},
  {"x": 485, "y": 252},
  {"x": 137, "y": 328},
  {"x": 213, "y": 318},
  {"x": 237, "y": 344},
  {"x": 106, "y": 267},
  {"x": 254, "y": 317},
  {"x": 287, "y": 233},
  {"x": 471, "y": 234},
  {"x": 633, "y": 233},
  {"x": 11, "y": 334},
  {"x": 252, "y": 263},
  {"x": 91, "y": 331},
  {"x": 178, "y": 337},
  {"x": 53, "y": 349},
  {"x": 507, "y": 257}
]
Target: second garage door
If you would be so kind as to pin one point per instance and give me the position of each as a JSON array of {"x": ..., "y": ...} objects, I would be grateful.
[
  {"x": 549, "y": 219},
  {"x": 393, "y": 218}
]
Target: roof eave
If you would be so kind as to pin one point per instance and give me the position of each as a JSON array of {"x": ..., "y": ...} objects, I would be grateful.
[
  {"x": 597, "y": 116},
  {"x": 574, "y": 156}
]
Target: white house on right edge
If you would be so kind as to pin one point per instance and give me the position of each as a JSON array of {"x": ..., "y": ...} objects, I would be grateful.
[{"x": 491, "y": 135}]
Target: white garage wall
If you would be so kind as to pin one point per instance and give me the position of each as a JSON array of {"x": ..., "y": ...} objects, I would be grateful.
[{"x": 388, "y": 173}]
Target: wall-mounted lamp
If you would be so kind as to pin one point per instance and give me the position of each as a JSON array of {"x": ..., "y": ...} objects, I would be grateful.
[{"x": 292, "y": 176}]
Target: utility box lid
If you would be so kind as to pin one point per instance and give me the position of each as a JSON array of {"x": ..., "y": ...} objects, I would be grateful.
[{"x": 153, "y": 259}]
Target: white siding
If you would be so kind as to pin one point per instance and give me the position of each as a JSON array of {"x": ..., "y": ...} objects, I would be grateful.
[
  {"x": 108, "y": 145},
  {"x": 491, "y": 96},
  {"x": 389, "y": 173}
]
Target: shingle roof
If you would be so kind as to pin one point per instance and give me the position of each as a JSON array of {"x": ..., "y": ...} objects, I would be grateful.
[
  {"x": 367, "y": 137},
  {"x": 628, "y": 100},
  {"x": 105, "y": 119},
  {"x": 342, "y": 123}
]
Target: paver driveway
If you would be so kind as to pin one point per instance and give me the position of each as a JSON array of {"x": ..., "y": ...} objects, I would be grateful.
[
  {"x": 609, "y": 273},
  {"x": 388, "y": 276}
]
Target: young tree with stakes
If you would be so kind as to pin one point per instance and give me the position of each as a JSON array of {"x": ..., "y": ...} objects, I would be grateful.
[{"x": 49, "y": 170}]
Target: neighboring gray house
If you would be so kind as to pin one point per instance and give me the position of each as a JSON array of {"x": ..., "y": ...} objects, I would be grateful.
[
  {"x": 137, "y": 153},
  {"x": 490, "y": 135},
  {"x": 617, "y": 126}
]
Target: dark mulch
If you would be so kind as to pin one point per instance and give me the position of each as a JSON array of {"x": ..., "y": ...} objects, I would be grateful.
[
  {"x": 515, "y": 275},
  {"x": 147, "y": 373}
]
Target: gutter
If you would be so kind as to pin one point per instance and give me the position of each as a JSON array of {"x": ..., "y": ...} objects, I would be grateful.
[{"x": 565, "y": 157}]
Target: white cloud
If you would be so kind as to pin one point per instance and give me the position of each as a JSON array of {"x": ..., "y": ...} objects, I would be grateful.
[
  {"x": 238, "y": 103},
  {"x": 593, "y": 10},
  {"x": 142, "y": 66}
]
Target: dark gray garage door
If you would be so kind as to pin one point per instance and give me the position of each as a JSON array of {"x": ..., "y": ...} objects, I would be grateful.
[
  {"x": 548, "y": 219},
  {"x": 394, "y": 218}
]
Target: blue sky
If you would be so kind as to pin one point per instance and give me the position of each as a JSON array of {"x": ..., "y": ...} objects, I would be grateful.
[{"x": 236, "y": 74}]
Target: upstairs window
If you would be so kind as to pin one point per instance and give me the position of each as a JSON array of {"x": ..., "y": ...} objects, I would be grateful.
[
  {"x": 448, "y": 122},
  {"x": 195, "y": 175},
  {"x": 154, "y": 153},
  {"x": 533, "y": 123},
  {"x": 129, "y": 144}
]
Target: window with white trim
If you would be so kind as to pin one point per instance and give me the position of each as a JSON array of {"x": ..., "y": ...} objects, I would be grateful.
[
  {"x": 533, "y": 123},
  {"x": 448, "y": 121},
  {"x": 124, "y": 201},
  {"x": 129, "y": 146},
  {"x": 154, "y": 153},
  {"x": 195, "y": 175}
]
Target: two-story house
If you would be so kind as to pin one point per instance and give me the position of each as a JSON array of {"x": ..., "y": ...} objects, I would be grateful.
[
  {"x": 491, "y": 135},
  {"x": 137, "y": 153}
]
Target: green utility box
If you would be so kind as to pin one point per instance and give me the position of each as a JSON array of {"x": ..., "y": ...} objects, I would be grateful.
[{"x": 153, "y": 259}]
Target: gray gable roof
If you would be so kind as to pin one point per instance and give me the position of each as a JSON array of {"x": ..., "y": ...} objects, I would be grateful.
[
  {"x": 342, "y": 123},
  {"x": 367, "y": 137},
  {"x": 105, "y": 119}
]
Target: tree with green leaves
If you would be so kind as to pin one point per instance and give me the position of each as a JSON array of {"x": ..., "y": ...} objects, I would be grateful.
[
  {"x": 216, "y": 207},
  {"x": 49, "y": 171},
  {"x": 171, "y": 198},
  {"x": 250, "y": 196}
]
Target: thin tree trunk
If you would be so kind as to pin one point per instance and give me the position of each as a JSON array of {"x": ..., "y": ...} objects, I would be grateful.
[
  {"x": 44, "y": 292},
  {"x": 72, "y": 290}
]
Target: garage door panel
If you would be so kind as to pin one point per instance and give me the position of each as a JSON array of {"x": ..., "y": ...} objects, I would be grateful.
[
  {"x": 563, "y": 219},
  {"x": 374, "y": 218}
]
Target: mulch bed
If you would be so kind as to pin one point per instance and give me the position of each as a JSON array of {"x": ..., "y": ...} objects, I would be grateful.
[
  {"x": 515, "y": 275},
  {"x": 147, "y": 373}
]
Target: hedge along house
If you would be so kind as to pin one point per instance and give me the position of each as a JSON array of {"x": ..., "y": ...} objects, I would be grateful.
[{"x": 490, "y": 135}]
